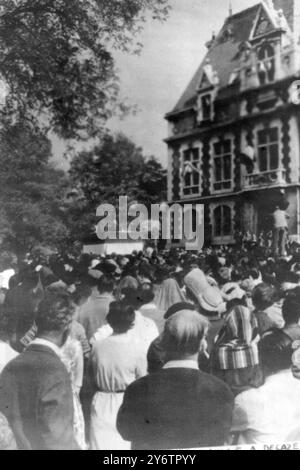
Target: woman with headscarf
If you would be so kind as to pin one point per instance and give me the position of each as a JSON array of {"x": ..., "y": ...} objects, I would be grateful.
[
  {"x": 235, "y": 356},
  {"x": 168, "y": 295}
]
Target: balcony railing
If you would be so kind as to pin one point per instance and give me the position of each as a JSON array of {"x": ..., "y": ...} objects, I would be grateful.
[{"x": 265, "y": 178}]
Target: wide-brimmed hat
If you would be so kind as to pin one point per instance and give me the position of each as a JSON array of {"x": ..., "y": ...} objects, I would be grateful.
[
  {"x": 196, "y": 282},
  {"x": 211, "y": 300}
]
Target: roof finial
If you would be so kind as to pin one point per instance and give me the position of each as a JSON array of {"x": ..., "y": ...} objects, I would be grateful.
[{"x": 230, "y": 9}]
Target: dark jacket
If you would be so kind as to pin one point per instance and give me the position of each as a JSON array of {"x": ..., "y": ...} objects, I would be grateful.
[
  {"x": 176, "y": 409},
  {"x": 36, "y": 398}
]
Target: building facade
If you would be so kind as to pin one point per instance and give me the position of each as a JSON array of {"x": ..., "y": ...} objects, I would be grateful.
[{"x": 234, "y": 135}]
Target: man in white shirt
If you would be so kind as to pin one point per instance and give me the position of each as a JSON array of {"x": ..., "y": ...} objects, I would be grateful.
[
  {"x": 280, "y": 229},
  {"x": 269, "y": 414}
]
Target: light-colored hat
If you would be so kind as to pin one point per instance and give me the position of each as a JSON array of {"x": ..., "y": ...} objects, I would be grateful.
[
  {"x": 196, "y": 282},
  {"x": 211, "y": 299}
]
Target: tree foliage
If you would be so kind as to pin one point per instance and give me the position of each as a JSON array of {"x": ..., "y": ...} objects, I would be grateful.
[
  {"x": 116, "y": 167},
  {"x": 56, "y": 57},
  {"x": 31, "y": 191}
]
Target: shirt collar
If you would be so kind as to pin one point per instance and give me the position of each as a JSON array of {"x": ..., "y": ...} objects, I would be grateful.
[
  {"x": 148, "y": 306},
  {"x": 47, "y": 344},
  {"x": 182, "y": 364}
]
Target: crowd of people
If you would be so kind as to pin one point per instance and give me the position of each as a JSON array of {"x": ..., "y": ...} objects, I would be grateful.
[{"x": 155, "y": 350}]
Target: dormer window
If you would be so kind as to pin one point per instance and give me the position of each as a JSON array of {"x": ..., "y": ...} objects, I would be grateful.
[
  {"x": 206, "y": 103},
  {"x": 205, "y": 108},
  {"x": 207, "y": 92},
  {"x": 266, "y": 64}
]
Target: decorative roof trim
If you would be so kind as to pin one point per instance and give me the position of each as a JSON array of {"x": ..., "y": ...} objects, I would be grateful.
[{"x": 268, "y": 13}]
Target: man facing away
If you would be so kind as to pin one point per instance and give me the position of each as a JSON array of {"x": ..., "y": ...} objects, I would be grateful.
[
  {"x": 35, "y": 388},
  {"x": 280, "y": 230},
  {"x": 178, "y": 407}
]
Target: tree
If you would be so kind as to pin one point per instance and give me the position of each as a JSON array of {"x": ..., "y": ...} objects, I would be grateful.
[
  {"x": 153, "y": 183},
  {"x": 56, "y": 58},
  {"x": 31, "y": 190},
  {"x": 114, "y": 168}
]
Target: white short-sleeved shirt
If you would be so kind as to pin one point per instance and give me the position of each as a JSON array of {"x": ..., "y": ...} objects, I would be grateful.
[
  {"x": 144, "y": 331},
  {"x": 279, "y": 218},
  {"x": 271, "y": 413}
]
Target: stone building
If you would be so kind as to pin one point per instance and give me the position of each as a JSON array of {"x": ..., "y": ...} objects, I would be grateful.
[{"x": 234, "y": 135}]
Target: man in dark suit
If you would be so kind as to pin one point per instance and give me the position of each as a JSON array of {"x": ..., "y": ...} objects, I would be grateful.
[
  {"x": 178, "y": 407},
  {"x": 35, "y": 388}
]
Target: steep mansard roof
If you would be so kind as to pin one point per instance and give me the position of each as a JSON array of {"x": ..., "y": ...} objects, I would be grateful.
[{"x": 223, "y": 54}]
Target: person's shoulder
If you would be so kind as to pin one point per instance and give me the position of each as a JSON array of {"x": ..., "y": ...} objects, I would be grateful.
[
  {"x": 145, "y": 321},
  {"x": 42, "y": 359},
  {"x": 136, "y": 388},
  {"x": 214, "y": 384},
  {"x": 102, "y": 334},
  {"x": 14, "y": 364}
]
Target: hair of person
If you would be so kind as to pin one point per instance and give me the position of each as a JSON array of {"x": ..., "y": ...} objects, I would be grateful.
[
  {"x": 291, "y": 307},
  {"x": 275, "y": 352},
  {"x": 82, "y": 292},
  {"x": 131, "y": 297},
  {"x": 254, "y": 273},
  {"x": 121, "y": 316},
  {"x": 55, "y": 311},
  {"x": 183, "y": 334},
  {"x": 105, "y": 284},
  {"x": 236, "y": 275},
  {"x": 145, "y": 269},
  {"x": 264, "y": 296},
  {"x": 145, "y": 293}
]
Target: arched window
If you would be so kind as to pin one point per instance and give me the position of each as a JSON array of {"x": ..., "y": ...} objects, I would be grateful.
[
  {"x": 266, "y": 64},
  {"x": 222, "y": 221}
]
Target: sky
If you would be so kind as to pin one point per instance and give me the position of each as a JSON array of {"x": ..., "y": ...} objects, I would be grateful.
[{"x": 154, "y": 81}]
